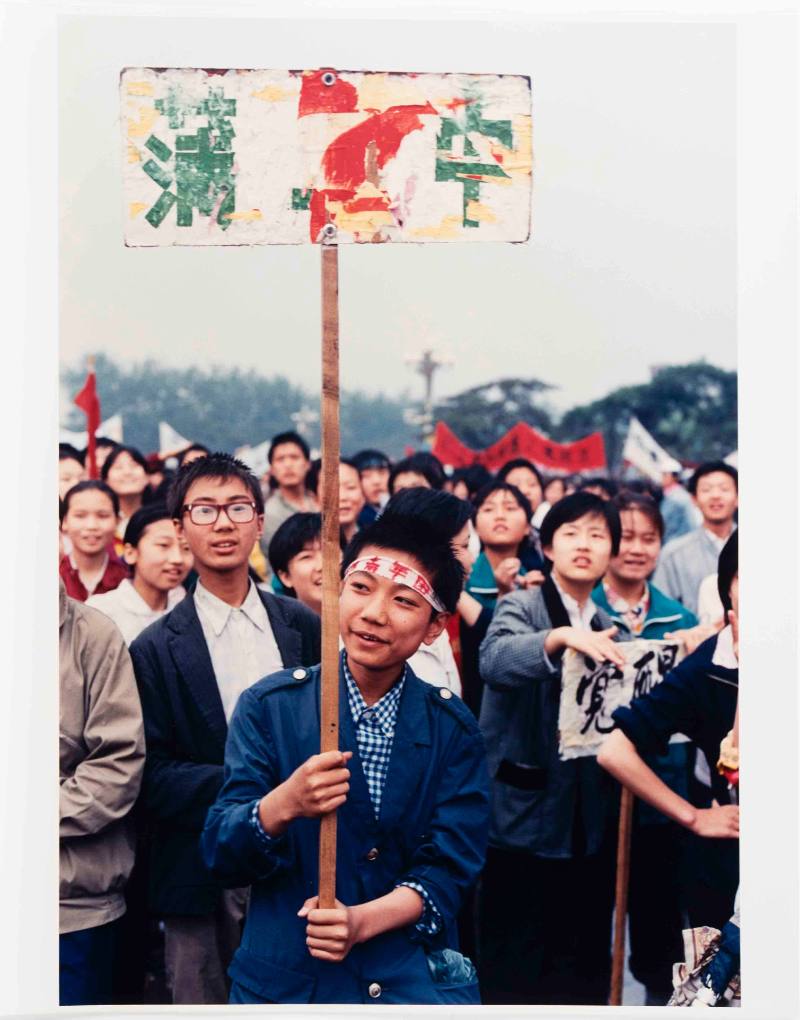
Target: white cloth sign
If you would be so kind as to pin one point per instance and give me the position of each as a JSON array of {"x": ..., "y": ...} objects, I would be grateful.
[{"x": 645, "y": 454}]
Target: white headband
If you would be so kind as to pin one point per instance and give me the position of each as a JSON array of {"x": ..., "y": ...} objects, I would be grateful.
[{"x": 400, "y": 573}]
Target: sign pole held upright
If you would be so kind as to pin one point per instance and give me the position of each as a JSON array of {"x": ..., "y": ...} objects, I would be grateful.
[{"x": 329, "y": 710}]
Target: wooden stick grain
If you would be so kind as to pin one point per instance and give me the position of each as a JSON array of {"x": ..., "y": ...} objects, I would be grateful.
[
  {"x": 621, "y": 901},
  {"x": 329, "y": 712}
]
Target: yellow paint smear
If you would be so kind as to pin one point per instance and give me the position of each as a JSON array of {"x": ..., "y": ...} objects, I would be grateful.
[
  {"x": 249, "y": 214},
  {"x": 133, "y": 154},
  {"x": 135, "y": 208},
  {"x": 140, "y": 88},
  {"x": 480, "y": 212},
  {"x": 272, "y": 94},
  {"x": 148, "y": 115},
  {"x": 450, "y": 227},
  {"x": 520, "y": 160},
  {"x": 367, "y": 221},
  {"x": 379, "y": 92}
]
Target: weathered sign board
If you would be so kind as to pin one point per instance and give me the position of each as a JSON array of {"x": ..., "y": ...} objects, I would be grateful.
[
  {"x": 591, "y": 691},
  {"x": 245, "y": 157}
]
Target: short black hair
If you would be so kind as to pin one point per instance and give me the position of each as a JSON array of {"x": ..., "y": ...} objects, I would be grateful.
[
  {"x": 365, "y": 460},
  {"x": 572, "y": 508},
  {"x": 190, "y": 449},
  {"x": 141, "y": 519},
  {"x": 646, "y": 505},
  {"x": 474, "y": 477},
  {"x": 66, "y": 451},
  {"x": 708, "y": 468},
  {"x": 105, "y": 441},
  {"x": 405, "y": 535},
  {"x": 608, "y": 485},
  {"x": 420, "y": 463},
  {"x": 727, "y": 569},
  {"x": 519, "y": 462},
  {"x": 215, "y": 465},
  {"x": 498, "y": 485},
  {"x": 292, "y": 537},
  {"x": 439, "y": 512},
  {"x": 86, "y": 486},
  {"x": 118, "y": 450},
  {"x": 288, "y": 437}
]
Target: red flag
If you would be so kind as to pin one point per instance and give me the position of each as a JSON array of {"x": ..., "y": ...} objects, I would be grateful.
[{"x": 88, "y": 401}]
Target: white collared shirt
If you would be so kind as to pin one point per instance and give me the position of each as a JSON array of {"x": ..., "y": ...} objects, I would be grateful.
[
  {"x": 715, "y": 540},
  {"x": 129, "y": 611},
  {"x": 240, "y": 642},
  {"x": 579, "y": 616}
]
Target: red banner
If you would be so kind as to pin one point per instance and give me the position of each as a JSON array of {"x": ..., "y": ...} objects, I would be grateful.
[{"x": 587, "y": 454}]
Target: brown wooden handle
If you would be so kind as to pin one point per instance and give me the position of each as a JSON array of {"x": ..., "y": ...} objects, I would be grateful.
[{"x": 621, "y": 901}]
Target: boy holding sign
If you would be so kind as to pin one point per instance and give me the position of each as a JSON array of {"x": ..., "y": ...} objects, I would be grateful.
[
  {"x": 410, "y": 787},
  {"x": 548, "y": 886}
]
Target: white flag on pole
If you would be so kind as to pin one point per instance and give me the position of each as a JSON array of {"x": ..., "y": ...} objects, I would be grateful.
[
  {"x": 733, "y": 459},
  {"x": 111, "y": 428},
  {"x": 255, "y": 457},
  {"x": 170, "y": 441},
  {"x": 645, "y": 454}
]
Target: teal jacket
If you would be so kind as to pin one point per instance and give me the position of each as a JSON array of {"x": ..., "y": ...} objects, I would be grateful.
[{"x": 663, "y": 616}]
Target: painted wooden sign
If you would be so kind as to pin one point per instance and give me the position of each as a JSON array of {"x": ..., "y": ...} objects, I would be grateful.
[
  {"x": 590, "y": 691},
  {"x": 242, "y": 157}
]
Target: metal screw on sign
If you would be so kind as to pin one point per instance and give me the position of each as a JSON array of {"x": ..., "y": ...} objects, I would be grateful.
[
  {"x": 328, "y": 78},
  {"x": 328, "y": 233}
]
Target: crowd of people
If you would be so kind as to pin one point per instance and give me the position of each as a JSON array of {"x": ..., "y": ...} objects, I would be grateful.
[{"x": 474, "y": 864}]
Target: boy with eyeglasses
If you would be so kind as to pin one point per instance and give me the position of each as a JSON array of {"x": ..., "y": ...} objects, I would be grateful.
[{"x": 191, "y": 666}]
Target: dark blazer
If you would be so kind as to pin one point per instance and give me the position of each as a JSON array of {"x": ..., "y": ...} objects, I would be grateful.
[
  {"x": 431, "y": 829},
  {"x": 185, "y": 732}
]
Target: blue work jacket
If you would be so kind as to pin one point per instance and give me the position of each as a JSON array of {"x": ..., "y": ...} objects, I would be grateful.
[{"x": 432, "y": 829}]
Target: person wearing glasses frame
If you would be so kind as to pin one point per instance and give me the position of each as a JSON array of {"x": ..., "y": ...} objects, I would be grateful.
[{"x": 191, "y": 666}]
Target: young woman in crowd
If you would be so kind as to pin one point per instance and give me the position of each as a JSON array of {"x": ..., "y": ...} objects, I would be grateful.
[
  {"x": 89, "y": 514},
  {"x": 125, "y": 471},
  {"x": 71, "y": 469},
  {"x": 159, "y": 561}
]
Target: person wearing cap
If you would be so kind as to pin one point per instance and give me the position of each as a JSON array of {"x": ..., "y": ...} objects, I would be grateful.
[
  {"x": 409, "y": 783},
  {"x": 191, "y": 667},
  {"x": 374, "y": 468},
  {"x": 159, "y": 560}
]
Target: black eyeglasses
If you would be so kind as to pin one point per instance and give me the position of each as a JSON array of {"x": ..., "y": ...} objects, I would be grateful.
[{"x": 207, "y": 513}]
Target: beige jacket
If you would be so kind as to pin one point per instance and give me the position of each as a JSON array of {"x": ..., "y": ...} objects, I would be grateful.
[{"x": 101, "y": 760}]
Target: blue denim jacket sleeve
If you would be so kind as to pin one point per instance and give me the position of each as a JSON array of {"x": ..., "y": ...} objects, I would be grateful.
[{"x": 232, "y": 847}]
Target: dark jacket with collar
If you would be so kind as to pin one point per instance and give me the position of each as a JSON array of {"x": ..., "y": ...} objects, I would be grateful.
[
  {"x": 431, "y": 829},
  {"x": 663, "y": 615},
  {"x": 185, "y": 732},
  {"x": 538, "y": 800}
]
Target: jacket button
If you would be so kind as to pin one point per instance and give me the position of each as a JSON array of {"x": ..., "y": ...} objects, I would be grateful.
[
  {"x": 300, "y": 674},
  {"x": 445, "y": 693},
  {"x": 374, "y": 990},
  {"x": 372, "y": 855}
]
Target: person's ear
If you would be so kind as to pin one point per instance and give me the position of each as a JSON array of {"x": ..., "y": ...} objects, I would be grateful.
[
  {"x": 130, "y": 554},
  {"x": 283, "y": 577},
  {"x": 260, "y": 522},
  {"x": 435, "y": 628},
  {"x": 548, "y": 551}
]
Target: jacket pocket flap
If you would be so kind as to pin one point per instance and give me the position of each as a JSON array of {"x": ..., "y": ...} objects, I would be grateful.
[{"x": 271, "y": 981}]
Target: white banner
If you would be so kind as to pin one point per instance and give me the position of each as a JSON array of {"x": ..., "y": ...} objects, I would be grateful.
[
  {"x": 170, "y": 441},
  {"x": 255, "y": 457},
  {"x": 111, "y": 428},
  {"x": 590, "y": 691},
  {"x": 270, "y": 157},
  {"x": 645, "y": 454}
]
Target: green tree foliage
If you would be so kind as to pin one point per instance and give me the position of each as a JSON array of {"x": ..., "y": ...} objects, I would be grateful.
[
  {"x": 691, "y": 410},
  {"x": 227, "y": 408},
  {"x": 480, "y": 416}
]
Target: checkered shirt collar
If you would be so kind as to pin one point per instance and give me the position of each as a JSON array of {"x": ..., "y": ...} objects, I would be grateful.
[{"x": 383, "y": 712}]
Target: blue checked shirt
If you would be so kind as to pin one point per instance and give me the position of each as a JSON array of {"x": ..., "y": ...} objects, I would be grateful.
[{"x": 374, "y": 725}]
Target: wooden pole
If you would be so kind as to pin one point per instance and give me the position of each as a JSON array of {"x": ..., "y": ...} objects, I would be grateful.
[
  {"x": 621, "y": 903},
  {"x": 329, "y": 477}
]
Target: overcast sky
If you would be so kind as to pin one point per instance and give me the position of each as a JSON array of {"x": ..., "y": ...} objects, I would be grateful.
[{"x": 632, "y": 257}]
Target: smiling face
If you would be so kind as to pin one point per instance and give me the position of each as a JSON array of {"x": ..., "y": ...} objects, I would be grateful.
[
  {"x": 162, "y": 559},
  {"x": 304, "y": 574},
  {"x": 383, "y": 623},
  {"x": 500, "y": 521},
  {"x": 70, "y": 472},
  {"x": 527, "y": 483},
  {"x": 222, "y": 546},
  {"x": 639, "y": 547},
  {"x": 716, "y": 497},
  {"x": 580, "y": 550},
  {"x": 90, "y": 521},
  {"x": 375, "y": 483},
  {"x": 127, "y": 477},
  {"x": 289, "y": 465}
]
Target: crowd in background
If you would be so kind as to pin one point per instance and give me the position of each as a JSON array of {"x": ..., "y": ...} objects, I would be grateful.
[{"x": 195, "y": 600}]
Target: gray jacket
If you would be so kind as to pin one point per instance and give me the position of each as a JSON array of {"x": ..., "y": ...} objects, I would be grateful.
[{"x": 538, "y": 801}]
